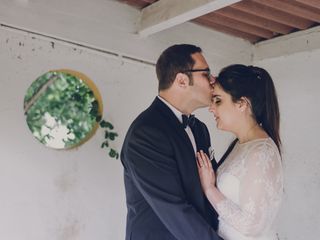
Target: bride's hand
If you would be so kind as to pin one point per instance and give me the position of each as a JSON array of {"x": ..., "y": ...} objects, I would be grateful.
[{"x": 206, "y": 173}]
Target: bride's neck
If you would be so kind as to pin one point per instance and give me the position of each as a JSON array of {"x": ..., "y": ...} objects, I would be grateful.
[{"x": 251, "y": 132}]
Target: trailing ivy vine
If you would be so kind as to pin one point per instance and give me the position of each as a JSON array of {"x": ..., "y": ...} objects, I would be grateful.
[{"x": 109, "y": 133}]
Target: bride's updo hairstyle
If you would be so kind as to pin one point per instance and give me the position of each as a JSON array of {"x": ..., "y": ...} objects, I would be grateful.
[{"x": 255, "y": 84}]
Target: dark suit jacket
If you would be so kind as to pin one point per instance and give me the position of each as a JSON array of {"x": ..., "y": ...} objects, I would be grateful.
[{"x": 164, "y": 196}]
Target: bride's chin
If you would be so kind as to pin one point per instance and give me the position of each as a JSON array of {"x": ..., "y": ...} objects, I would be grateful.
[
  {"x": 219, "y": 126},
  {"x": 217, "y": 123}
]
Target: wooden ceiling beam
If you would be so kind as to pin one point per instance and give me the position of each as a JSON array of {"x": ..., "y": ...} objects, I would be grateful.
[
  {"x": 237, "y": 25},
  {"x": 224, "y": 29},
  {"x": 311, "y": 3},
  {"x": 255, "y": 20},
  {"x": 288, "y": 7},
  {"x": 165, "y": 14},
  {"x": 272, "y": 14},
  {"x": 149, "y": 1},
  {"x": 135, "y": 3}
]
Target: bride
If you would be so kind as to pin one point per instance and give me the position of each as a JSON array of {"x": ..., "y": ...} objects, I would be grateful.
[{"x": 247, "y": 189}]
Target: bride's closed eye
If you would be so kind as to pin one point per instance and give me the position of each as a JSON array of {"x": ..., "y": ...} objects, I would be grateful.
[{"x": 216, "y": 100}]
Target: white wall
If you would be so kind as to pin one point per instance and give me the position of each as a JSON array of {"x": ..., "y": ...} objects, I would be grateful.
[
  {"x": 79, "y": 193},
  {"x": 74, "y": 194},
  {"x": 111, "y": 26},
  {"x": 296, "y": 76}
]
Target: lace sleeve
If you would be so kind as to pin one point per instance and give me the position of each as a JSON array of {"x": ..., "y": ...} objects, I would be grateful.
[{"x": 259, "y": 194}]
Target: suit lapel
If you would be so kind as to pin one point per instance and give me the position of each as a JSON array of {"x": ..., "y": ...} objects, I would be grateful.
[
  {"x": 173, "y": 122},
  {"x": 202, "y": 139},
  {"x": 200, "y": 134}
]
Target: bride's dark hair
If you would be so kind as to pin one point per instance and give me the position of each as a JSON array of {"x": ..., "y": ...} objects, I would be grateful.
[{"x": 255, "y": 84}]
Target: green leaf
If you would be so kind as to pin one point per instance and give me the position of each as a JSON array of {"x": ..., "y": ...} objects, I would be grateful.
[
  {"x": 94, "y": 108},
  {"x": 98, "y": 118},
  {"x": 112, "y": 135},
  {"x": 77, "y": 97},
  {"x": 113, "y": 153},
  {"x": 105, "y": 144},
  {"x": 109, "y": 125},
  {"x": 106, "y": 135},
  {"x": 103, "y": 124}
]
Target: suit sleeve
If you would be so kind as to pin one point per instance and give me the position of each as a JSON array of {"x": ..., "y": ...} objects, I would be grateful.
[{"x": 152, "y": 164}]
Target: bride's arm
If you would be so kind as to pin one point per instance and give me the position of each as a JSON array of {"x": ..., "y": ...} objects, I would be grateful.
[{"x": 259, "y": 192}]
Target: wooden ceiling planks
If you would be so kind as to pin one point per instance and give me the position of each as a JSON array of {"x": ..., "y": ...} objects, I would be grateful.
[{"x": 257, "y": 20}]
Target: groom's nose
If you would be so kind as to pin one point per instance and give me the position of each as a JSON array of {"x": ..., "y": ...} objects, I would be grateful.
[{"x": 212, "y": 79}]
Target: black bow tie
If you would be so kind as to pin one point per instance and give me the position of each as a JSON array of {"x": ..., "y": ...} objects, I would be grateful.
[{"x": 188, "y": 120}]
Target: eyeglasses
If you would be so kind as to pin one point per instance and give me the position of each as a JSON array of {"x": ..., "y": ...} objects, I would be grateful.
[{"x": 207, "y": 70}]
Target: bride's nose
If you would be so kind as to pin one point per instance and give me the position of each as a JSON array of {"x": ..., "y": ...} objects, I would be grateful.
[{"x": 212, "y": 108}]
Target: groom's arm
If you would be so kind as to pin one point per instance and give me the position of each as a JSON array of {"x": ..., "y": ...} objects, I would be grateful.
[{"x": 153, "y": 167}]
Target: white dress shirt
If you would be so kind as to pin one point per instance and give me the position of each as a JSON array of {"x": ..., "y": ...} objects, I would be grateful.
[{"x": 179, "y": 116}]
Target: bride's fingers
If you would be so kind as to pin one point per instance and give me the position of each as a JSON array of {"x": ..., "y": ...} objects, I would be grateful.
[
  {"x": 207, "y": 161},
  {"x": 199, "y": 161},
  {"x": 204, "y": 159}
]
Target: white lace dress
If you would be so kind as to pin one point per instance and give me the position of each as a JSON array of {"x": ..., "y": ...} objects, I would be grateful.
[{"x": 251, "y": 180}]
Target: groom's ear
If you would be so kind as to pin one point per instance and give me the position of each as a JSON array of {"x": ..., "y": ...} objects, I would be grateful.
[{"x": 182, "y": 80}]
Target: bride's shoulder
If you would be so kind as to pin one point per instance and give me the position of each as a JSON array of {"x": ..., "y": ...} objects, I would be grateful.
[{"x": 262, "y": 150}]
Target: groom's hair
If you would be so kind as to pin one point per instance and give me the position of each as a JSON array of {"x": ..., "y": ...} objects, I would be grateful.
[{"x": 174, "y": 60}]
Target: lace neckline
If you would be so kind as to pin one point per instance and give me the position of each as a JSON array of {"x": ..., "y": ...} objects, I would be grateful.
[{"x": 254, "y": 140}]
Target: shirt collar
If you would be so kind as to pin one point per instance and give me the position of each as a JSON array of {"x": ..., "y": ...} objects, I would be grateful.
[{"x": 176, "y": 112}]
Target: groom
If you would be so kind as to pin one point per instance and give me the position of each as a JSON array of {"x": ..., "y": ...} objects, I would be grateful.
[{"x": 163, "y": 191}]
